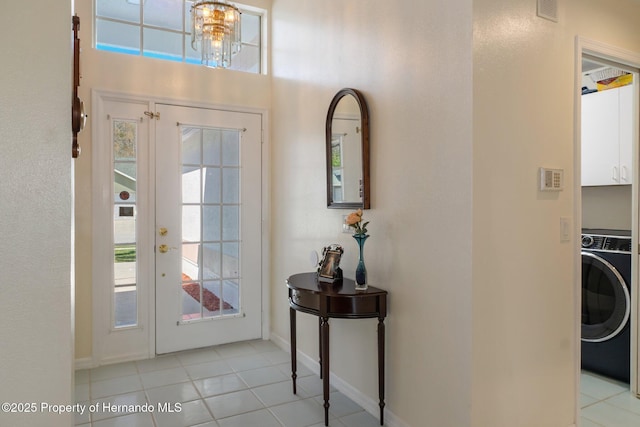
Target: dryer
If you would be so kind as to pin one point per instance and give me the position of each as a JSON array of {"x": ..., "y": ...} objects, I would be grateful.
[{"x": 606, "y": 302}]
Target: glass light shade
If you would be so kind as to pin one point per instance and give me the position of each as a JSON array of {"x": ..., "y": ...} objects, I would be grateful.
[{"x": 215, "y": 32}]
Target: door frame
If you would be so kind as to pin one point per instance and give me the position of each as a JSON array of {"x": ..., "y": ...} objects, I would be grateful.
[
  {"x": 98, "y": 327},
  {"x": 623, "y": 58}
]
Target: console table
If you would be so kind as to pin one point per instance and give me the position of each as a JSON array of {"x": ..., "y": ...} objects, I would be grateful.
[{"x": 337, "y": 300}]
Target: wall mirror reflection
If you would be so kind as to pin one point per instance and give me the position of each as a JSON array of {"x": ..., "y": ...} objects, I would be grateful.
[{"x": 347, "y": 151}]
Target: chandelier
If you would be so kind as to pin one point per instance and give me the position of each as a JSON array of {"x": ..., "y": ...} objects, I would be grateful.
[{"x": 215, "y": 31}]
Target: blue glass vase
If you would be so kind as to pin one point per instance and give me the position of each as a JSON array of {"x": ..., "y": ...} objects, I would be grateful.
[{"x": 361, "y": 270}]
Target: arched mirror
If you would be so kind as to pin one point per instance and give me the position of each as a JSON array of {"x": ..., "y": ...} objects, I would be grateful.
[{"x": 347, "y": 151}]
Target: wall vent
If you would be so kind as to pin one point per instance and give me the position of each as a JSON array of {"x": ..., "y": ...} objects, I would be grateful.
[{"x": 548, "y": 9}]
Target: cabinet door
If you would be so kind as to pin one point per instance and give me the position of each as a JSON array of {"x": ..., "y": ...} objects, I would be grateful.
[
  {"x": 626, "y": 134},
  {"x": 600, "y": 138}
]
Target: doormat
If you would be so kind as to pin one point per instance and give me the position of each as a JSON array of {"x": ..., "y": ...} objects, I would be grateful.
[{"x": 211, "y": 301}]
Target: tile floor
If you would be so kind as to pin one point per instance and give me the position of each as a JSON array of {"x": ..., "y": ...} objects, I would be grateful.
[
  {"x": 607, "y": 403},
  {"x": 237, "y": 385}
]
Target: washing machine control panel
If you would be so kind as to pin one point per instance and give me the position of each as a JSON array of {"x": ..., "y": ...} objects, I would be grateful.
[{"x": 606, "y": 243}]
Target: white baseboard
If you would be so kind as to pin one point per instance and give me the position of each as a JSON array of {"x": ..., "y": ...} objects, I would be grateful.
[
  {"x": 90, "y": 362},
  {"x": 368, "y": 404},
  {"x": 83, "y": 363}
]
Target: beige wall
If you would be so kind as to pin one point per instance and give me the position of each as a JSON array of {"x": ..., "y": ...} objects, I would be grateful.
[
  {"x": 468, "y": 248},
  {"x": 607, "y": 207},
  {"x": 36, "y": 334},
  {"x": 524, "y": 313},
  {"x": 412, "y": 61}
]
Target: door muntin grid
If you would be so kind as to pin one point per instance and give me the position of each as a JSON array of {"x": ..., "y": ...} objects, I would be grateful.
[{"x": 210, "y": 223}]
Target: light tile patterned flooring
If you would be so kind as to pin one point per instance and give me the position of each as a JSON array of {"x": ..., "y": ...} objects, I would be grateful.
[
  {"x": 607, "y": 403},
  {"x": 237, "y": 385}
]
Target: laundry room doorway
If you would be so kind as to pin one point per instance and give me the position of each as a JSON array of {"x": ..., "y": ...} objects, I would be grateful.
[{"x": 607, "y": 183}]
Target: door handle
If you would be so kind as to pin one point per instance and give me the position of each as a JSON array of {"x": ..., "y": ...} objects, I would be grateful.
[
  {"x": 163, "y": 249},
  {"x": 162, "y": 231}
]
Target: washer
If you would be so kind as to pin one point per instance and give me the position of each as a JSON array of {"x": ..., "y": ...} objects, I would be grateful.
[{"x": 606, "y": 302}]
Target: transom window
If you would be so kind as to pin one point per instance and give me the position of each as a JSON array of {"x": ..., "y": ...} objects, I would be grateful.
[{"x": 162, "y": 29}]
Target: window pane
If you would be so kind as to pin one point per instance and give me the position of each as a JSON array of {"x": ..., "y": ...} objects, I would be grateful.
[
  {"x": 163, "y": 13},
  {"x": 191, "y": 223},
  {"x": 248, "y": 60},
  {"x": 230, "y": 222},
  {"x": 124, "y": 224},
  {"x": 230, "y": 260},
  {"x": 211, "y": 147},
  {"x": 211, "y": 223},
  {"x": 190, "y": 261},
  {"x": 191, "y": 298},
  {"x": 190, "y": 184},
  {"x": 230, "y": 185},
  {"x": 191, "y": 55},
  {"x": 124, "y": 140},
  {"x": 231, "y": 296},
  {"x": 212, "y": 185},
  {"x": 212, "y": 261},
  {"x": 250, "y": 29},
  {"x": 187, "y": 16},
  {"x": 212, "y": 298},
  {"x": 117, "y": 37},
  {"x": 191, "y": 145},
  {"x": 118, "y": 9},
  {"x": 231, "y": 148},
  {"x": 162, "y": 44}
]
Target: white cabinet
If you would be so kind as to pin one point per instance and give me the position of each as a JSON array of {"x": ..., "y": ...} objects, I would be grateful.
[{"x": 607, "y": 135}]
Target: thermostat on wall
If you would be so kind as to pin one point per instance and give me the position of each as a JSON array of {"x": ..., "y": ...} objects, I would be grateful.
[{"x": 551, "y": 179}]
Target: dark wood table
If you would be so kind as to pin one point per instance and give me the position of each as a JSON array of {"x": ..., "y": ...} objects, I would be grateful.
[{"x": 337, "y": 300}]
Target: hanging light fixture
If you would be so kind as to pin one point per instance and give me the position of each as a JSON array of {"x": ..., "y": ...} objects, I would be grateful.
[{"x": 215, "y": 31}]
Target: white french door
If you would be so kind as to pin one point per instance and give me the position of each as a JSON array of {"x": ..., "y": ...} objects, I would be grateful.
[
  {"x": 208, "y": 239},
  {"x": 177, "y": 235}
]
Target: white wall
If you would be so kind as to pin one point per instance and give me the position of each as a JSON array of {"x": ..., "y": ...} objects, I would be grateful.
[
  {"x": 482, "y": 323},
  {"x": 36, "y": 356},
  {"x": 524, "y": 282},
  {"x": 607, "y": 207},
  {"x": 415, "y": 72}
]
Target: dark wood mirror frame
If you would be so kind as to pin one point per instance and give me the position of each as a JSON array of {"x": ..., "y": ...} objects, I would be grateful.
[{"x": 365, "y": 203}]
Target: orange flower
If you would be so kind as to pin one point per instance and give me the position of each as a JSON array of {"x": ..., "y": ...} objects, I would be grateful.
[{"x": 354, "y": 219}]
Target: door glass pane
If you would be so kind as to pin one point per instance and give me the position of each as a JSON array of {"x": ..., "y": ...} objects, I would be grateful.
[
  {"x": 211, "y": 185},
  {"x": 124, "y": 223},
  {"x": 191, "y": 138},
  {"x": 210, "y": 222},
  {"x": 191, "y": 184},
  {"x": 231, "y": 185},
  {"x": 230, "y": 223},
  {"x": 212, "y": 261},
  {"x": 191, "y": 223}
]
